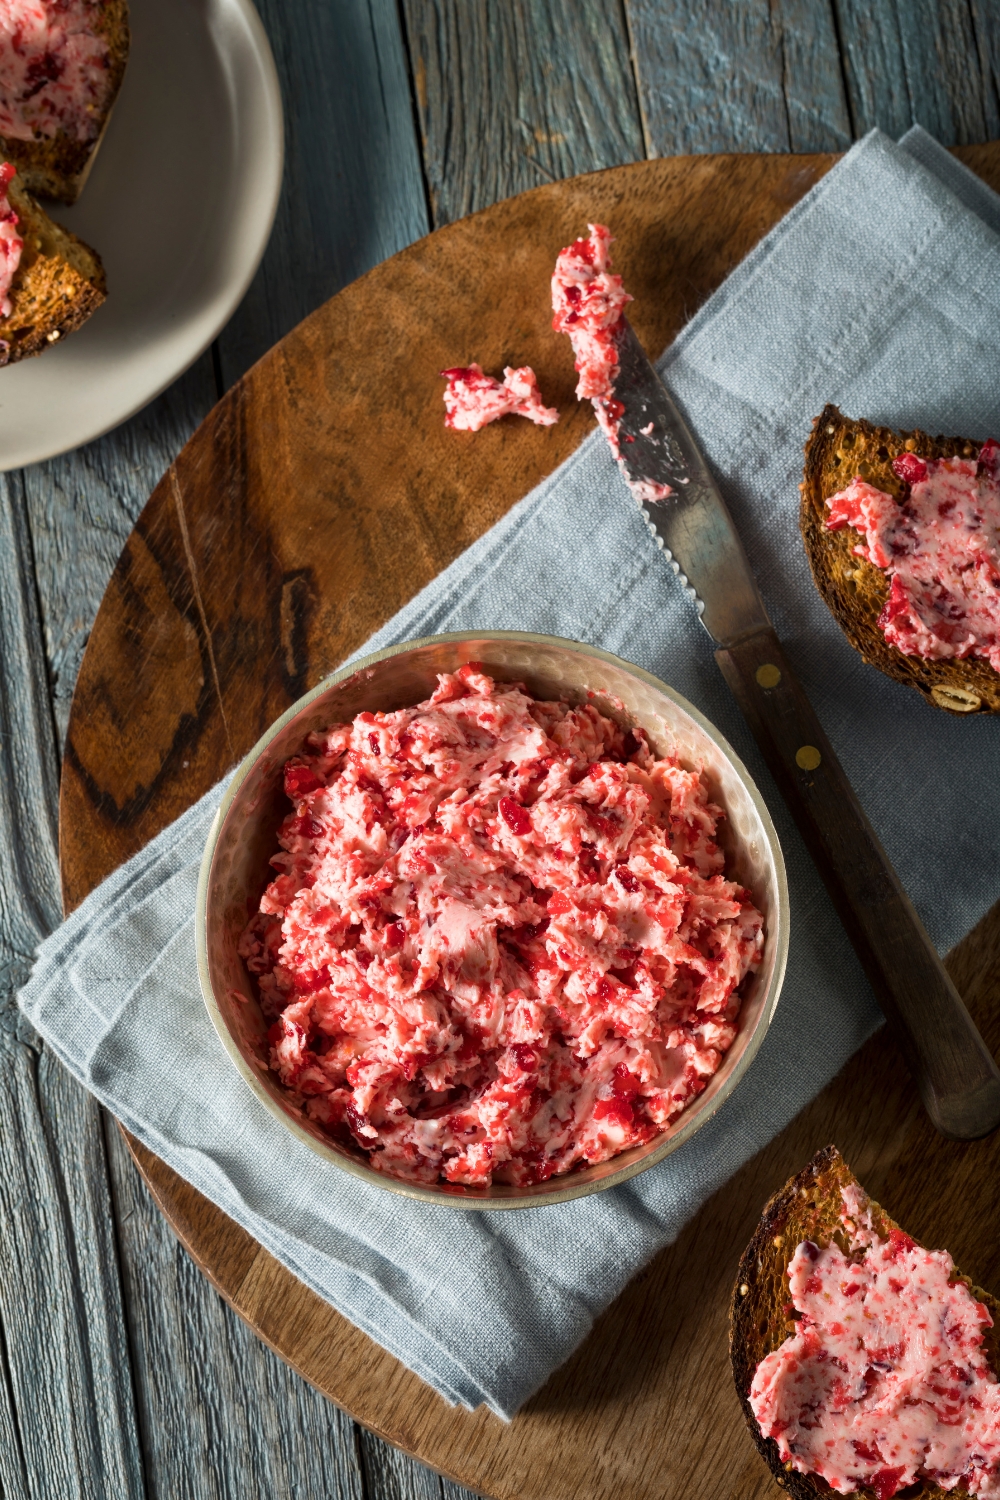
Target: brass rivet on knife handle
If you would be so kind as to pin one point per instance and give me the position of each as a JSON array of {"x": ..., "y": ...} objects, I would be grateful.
[
  {"x": 958, "y": 1080},
  {"x": 768, "y": 675}
]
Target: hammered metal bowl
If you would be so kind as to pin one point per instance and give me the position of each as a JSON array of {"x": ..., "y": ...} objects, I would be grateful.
[{"x": 235, "y": 870}]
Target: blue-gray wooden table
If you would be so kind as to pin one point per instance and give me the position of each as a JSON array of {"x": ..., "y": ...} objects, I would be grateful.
[{"x": 122, "y": 1373}]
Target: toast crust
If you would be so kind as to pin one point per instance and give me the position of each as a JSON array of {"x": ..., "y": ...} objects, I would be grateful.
[
  {"x": 59, "y": 283},
  {"x": 807, "y": 1207},
  {"x": 855, "y": 590},
  {"x": 58, "y": 166}
]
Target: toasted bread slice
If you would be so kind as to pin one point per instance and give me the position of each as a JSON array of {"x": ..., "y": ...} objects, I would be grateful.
[
  {"x": 58, "y": 166},
  {"x": 806, "y": 1208},
  {"x": 59, "y": 283},
  {"x": 856, "y": 590}
]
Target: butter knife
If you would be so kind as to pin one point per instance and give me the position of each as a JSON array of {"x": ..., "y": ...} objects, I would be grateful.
[{"x": 956, "y": 1076}]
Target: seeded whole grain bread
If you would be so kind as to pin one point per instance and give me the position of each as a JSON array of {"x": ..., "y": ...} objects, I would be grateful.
[
  {"x": 807, "y": 1208},
  {"x": 58, "y": 166},
  {"x": 855, "y": 590},
  {"x": 59, "y": 282}
]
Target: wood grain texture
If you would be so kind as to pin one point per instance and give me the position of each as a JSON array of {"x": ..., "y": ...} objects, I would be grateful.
[
  {"x": 222, "y": 1415},
  {"x": 393, "y": 1475},
  {"x": 81, "y": 508},
  {"x": 63, "y": 1359},
  {"x": 513, "y": 95},
  {"x": 201, "y": 587},
  {"x": 353, "y": 191},
  {"x": 751, "y": 75},
  {"x": 923, "y": 62}
]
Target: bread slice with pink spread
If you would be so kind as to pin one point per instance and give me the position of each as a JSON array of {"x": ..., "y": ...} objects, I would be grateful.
[
  {"x": 902, "y": 532},
  {"x": 865, "y": 1364},
  {"x": 50, "y": 281},
  {"x": 61, "y": 66}
]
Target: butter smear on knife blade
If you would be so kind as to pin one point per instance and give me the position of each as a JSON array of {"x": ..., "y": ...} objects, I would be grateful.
[{"x": 588, "y": 303}]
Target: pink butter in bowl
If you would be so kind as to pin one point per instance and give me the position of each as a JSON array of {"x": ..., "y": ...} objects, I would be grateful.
[{"x": 492, "y": 920}]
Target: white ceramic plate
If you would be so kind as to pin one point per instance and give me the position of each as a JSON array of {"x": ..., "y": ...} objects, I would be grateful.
[{"x": 179, "y": 206}]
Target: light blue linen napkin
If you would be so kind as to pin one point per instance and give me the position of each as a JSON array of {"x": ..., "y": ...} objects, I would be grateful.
[{"x": 880, "y": 291}]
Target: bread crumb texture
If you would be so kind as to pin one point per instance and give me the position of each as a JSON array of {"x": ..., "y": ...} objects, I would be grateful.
[{"x": 59, "y": 283}]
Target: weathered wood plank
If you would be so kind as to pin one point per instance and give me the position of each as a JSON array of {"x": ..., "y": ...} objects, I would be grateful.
[
  {"x": 29, "y": 869},
  {"x": 934, "y": 63},
  {"x": 391, "y": 1474},
  {"x": 66, "y": 1408},
  {"x": 13, "y": 1474},
  {"x": 740, "y": 75},
  {"x": 222, "y": 1416},
  {"x": 100, "y": 1391},
  {"x": 353, "y": 191},
  {"x": 513, "y": 95}
]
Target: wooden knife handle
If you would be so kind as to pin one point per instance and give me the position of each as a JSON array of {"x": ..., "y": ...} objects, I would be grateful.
[{"x": 957, "y": 1078}]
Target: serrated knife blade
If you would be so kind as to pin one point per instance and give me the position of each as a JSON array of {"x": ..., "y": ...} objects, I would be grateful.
[
  {"x": 958, "y": 1080},
  {"x": 693, "y": 526}
]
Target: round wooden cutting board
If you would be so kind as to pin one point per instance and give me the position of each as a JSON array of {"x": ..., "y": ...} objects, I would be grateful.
[{"x": 318, "y": 497}]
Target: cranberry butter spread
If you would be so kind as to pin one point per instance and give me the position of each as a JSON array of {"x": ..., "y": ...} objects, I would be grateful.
[
  {"x": 53, "y": 69},
  {"x": 11, "y": 243},
  {"x": 472, "y": 399},
  {"x": 501, "y": 942},
  {"x": 939, "y": 546},
  {"x": 588, "y": 304}
]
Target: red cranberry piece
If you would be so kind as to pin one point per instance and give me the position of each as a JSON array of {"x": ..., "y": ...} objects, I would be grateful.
[
  {"x": 523, "y": 1056},
  {"x": 515, "y": 816},
  {"x": 899, "y": 1243},
  {"x": 909, "y": 468},
  {"x": 307, "y": 981},
  {"x": 989, "y": 460},
  {"x": 618, "y": 1110},
  {"x": 376, "y": 747},
  {"x": 395, "y": 935},
  {"x": 355, "y": 1119},
  {"x": 868, "y": 1451},
  {"x": 300, "y": 781},
  {"x": 625, "y": 1085},
  {"x": 886, "y": 1482},
  {"x": 42, "y": 70},
  {"x": 627, "y": 880},
  {"x": 307, "y": 827},
  {"x": 472, "y": 1044}
]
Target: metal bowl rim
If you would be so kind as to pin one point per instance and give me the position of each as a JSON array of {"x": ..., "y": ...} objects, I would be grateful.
[{"x": 437, "y": 1196}]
